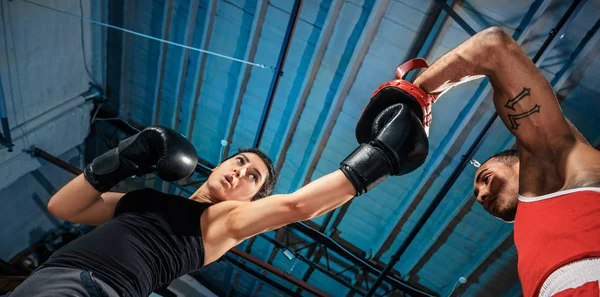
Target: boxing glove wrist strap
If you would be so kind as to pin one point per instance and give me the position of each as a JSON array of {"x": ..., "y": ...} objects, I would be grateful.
[
  {"x": 366, "y": 167},
  {"x": 106, "y": 171}
]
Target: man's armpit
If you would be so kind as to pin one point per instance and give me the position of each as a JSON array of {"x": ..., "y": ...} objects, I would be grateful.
[{"x": 591, "y": 179}]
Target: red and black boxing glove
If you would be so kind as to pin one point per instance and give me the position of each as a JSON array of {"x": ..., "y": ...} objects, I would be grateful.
[
  {"x": 394, "y": 92},
  {"x": 400, "y": 145}
]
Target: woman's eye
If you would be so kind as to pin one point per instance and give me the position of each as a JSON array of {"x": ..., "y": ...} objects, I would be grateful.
[
  {"x": 240, "y": 160},
  {"x": 254, "y": 177},
  {"x": 486, "y": 180}
]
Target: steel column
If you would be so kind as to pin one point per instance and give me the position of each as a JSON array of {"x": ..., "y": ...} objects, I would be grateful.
[
  {"x": 260, "y": 277},
  {"x": 460, "y": 21},
  {"x": 330, "y": 243},
  {"x": 5, "y": 137},
  {"x": 280, "y": 273},
  {"x": 285, "y": 46}
]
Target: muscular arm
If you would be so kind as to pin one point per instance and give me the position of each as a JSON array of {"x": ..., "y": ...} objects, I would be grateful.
[
  {"x": 312, "y": 200},
  {"x": 524, "y": 101},
  {"x": 523, "y": 97},
  {"x": 79, "y": 202}
]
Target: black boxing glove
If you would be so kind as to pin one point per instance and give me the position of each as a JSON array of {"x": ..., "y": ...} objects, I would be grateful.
[
  {"x": 399, "y": 146},
  {"x": 154, "y": 149}
]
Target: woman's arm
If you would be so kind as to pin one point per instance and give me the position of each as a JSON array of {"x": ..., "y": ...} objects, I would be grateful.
[
  {"x": 312, "y": 200},
  {"x": 398, "y": 147},
  {"x": 79, "y": 202}
]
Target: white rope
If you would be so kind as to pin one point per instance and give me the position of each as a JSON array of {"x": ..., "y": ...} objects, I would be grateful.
[{"x": 152, "y": 37}]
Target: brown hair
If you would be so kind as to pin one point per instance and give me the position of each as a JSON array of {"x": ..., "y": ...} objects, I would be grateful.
[{"x": 271, "y": 180}]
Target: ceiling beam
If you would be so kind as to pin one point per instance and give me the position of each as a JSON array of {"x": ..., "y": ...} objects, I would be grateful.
[
  {"x": 358, "y": 55},
  {"x": 309, "y": 79},
  {"x": 272, "y": 253},
  {"x": 434, "y": 25},
  {"x": 589, "y": 44},
  {"x": 211, "y": 15},
  {"x": 311, "y": 264},
  {"x": 246, "y": 70},
  {"x": 550, "y": 43},
  {"x": 278, "y": 272},
  {"x": 258, "y": 286},
  {"x": 190, "y": 29},
  {"x": 162, "y": 58},
  {"x": 160, "y": 72},
  {"x": 278, "y": 71},
  {"x": 261, "y": 277},
  {"x": 125, "y": 62},
  {"x": 460, "y": 21},
  {"x": 230, "y": 276},
  {"x": 353, "y": 258}
]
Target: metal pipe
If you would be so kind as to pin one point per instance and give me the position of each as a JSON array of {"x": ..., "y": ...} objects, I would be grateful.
[
  {"x": 553, "y": 32},
  {"x": 460, "y": 21},
  {"x": 334, "y": 246},
  {"x": 280, "y": 273},
  {"x": 37, "y": 152},
  {"x": 285, "y": 46},
  {"x": 426, "y": 38},
  {"x": 314, "y": 265},
  {"x": 5, "y": 139},
  {"x": 260, "y": 277},
  {"x": 458, "y": 170}
]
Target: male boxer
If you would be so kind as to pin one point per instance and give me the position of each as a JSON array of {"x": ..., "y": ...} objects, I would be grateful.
[
  {"x": 146, "y": 238},
  {"x": 550, "y": 185}
]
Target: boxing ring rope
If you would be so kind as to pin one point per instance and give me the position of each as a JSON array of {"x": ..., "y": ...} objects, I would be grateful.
[{"x": 150, "y": 37}]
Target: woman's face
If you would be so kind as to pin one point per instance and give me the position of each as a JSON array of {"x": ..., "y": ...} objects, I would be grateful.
[{"x": 238, "y": 178}]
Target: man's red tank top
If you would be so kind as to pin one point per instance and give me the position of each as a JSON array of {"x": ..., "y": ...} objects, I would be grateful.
[{"x": 554, "y": 230}]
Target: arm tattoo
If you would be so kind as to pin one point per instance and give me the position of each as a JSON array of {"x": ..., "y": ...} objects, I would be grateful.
[
  {"x": 510, "y": 104},
  {"x": 514, "y": 117}
]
